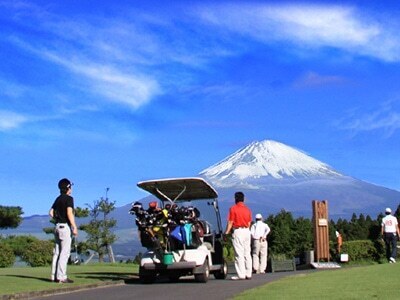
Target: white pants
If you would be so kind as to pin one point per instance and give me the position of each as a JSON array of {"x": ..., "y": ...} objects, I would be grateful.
[
  {"x": 260, "y": 252},
  {"x": 61, "y": 252},
  {"x": 242, "y": 246}
]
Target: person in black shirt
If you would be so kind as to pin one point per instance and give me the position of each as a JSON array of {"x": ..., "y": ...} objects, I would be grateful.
[{"x": 62, "y": 211}]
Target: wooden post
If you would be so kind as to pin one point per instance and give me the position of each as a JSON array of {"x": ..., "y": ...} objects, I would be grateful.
[{"x": 321, "y": 230}]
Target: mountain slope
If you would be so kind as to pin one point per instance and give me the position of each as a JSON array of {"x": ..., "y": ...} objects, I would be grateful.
[
  {"x": 266, "y": 160},
  {"x": 275, "y": 176}
]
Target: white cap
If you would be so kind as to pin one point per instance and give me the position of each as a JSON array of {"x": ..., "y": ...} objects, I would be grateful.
[
  {"x": 388, "y": 210},
  {"x": 258, "y": 217}
]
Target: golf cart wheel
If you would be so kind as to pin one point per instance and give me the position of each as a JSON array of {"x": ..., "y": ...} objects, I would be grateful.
[
  {"x": 147, "y": 279},
  {"x": 203, "y": 277},
  {"x": 173, "y": 277},
  {"x": 221, "y": 274}
]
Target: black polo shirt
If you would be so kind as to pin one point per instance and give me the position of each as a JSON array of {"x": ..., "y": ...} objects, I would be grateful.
[{"x": 60, "y": 208}]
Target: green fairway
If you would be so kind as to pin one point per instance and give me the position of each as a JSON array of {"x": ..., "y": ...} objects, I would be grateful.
[
  {"x": 26, "y": 279},
  {"x": 368, "y": 282}
]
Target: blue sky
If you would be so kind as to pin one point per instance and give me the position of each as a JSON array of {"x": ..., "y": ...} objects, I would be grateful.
[{"x": 111, "y": 93}]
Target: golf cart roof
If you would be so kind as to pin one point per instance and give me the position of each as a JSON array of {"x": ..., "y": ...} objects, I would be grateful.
[{"x": 179, "y": 189}]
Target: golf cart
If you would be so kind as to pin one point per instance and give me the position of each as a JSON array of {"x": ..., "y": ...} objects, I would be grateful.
[{"x": 184, "y": 235}]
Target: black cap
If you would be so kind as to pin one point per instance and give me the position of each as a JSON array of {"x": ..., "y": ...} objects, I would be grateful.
[{"x": 64, "y": 184}]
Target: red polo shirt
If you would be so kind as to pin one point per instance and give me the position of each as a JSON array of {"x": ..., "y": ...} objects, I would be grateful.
[{"x": 240, "y": 215}]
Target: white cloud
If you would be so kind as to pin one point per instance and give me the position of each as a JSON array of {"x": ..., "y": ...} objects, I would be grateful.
[
  {"x": 10, "y": 120},
  {"x": 385, "y": 118},
  {"x": 11, "y": 89},
  {"x": 131, "y": 89},
  {"x": 315, "y": 79},
  {"x": 308, "y": 26}
]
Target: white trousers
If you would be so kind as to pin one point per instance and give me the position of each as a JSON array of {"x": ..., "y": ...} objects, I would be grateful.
[
  {"x": 242, "y": 246},
  {"x": 260, "y": 253},
  {"x": 61, "y": 252}
]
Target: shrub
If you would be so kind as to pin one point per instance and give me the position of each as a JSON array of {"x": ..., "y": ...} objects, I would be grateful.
[
  {"x": 38, "y": 253},
  {"x": 362, "y": 250},
  {"x": 7, "y": 257},
  {"x": 279, "y": 257},
  {"x": 380, "y": 249},
  {"x": 19, "y": 243}
]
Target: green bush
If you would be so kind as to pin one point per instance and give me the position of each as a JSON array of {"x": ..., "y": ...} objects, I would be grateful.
[
  {"x": 380, "y": 249},
  {"x": 7, "y": 257},
  {"x": 19, "y": 243},
  {"x": 363, "y": 250},
  {"x": 279, "y": 257},
  {"x": 38, "y": 253}
]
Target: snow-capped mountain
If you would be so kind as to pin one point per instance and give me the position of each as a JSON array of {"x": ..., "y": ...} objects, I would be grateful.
[
  {"x": 266, "y": 160},
  {"x": 275, "y": 176}
]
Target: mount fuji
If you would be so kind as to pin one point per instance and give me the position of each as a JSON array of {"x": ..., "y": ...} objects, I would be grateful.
[
  {"x": 267, "y": 161},
  {"x": 275, "y": 176}
]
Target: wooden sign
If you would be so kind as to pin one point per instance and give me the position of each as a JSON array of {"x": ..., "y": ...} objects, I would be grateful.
[{"x": 321, "y": 230}]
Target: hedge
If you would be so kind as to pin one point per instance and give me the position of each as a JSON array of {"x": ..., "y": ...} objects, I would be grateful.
[
  {"x": 38, "y": 253},
  {"x": 7, "y": 257},
  {"x": 364, "y": 250}
]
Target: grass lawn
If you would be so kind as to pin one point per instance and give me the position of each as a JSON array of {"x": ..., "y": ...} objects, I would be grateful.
[
  {"x": 367, "y": 282},
  {"x": 26, "y": 279}
]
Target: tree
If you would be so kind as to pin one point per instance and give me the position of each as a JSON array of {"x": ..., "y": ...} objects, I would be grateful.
[
  {"x": 99, "y": 230},
  {"x": 19, "y": 243},
  {"x": 280, "y": 239},
  {"x": 302, "y": 236},
  {"x": 10, "y": 216},
  {"x": 397, "y": 212}
]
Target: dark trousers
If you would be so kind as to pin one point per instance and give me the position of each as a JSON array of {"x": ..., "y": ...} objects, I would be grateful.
[{"x": 391, "y": 244}]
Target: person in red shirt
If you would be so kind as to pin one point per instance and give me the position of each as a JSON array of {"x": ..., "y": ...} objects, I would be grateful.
[{"x": 239, "y": 221}]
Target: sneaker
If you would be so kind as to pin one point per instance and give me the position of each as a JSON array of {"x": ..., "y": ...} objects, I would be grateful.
[
  {"x": 236, "y": 278},
  {"x": 248, "y": 278},
  {"x": 392, "y": 260},
  {"x": 67, "y": 280}
]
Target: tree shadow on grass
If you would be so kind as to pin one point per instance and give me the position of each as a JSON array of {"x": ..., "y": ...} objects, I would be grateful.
[
  {"x": 163, "y": 279},
  {"x": 104, "y": 276},
  {"x": 100, "y": 276},
  {"x": 30, "y": 277}
]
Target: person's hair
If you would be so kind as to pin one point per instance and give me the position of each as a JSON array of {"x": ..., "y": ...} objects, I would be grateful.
[
  {"x": 64, "y": 185},
  {"x": 64, "y": 190},
  {"x": 387, "y": 213},
  {"x": 239, "y": 197}
]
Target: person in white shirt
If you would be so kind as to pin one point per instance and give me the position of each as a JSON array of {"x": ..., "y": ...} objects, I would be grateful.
[
  {"x": 390, "y": 232},
  {"x": 259, "y": 232}
]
